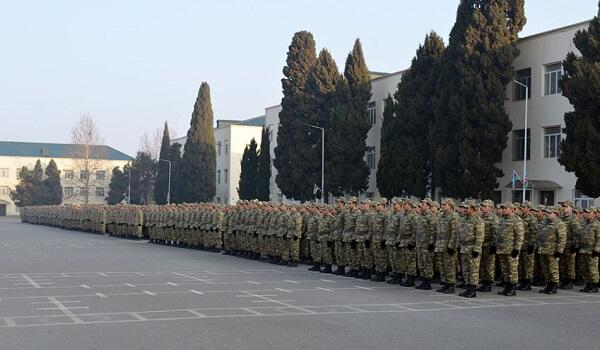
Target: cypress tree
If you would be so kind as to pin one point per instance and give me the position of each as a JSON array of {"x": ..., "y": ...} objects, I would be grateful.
[
  {"x": 51, "y": 184},
  {"x": 347, "y": 171},
  {"x": 175, "y": 157},
  {"x": 388, "y": 182},
  {"x": 409, "y": 140},
  {"x": 471, "y": 125},
  {"x": 249, "y": 172},
  {"x": 161, "y": 187},
  {"x": 263, "y": 177},
  {"x": 197, "y": 180},
  {"x": 292, "y": 178},
  {"x": 580, "y": 150},
  {"x": 117, "y": 189},
  {"x": 24, "y": 193},
  {"x": 143, "y": 175}
]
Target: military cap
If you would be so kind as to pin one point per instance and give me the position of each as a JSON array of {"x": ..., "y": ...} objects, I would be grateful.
[
  {"x": 588, "y": 210},
  {"x": 566, "y": 203},
  {"x": 487, "y": 203},
  {"x": 450, "y": 202},
  {"x": 341, "y": 199},
  {"x": 352, "y": 199},
  {"x": 527, "y": 204},
  {"x": 397, "y": 200},
  {"x": 470, "y": 203},
  {"x": 366, "y": 201},
  {"x": 434, "y": 204},
  {"x": 551, "y": 209},
  {"x": 383, "y": 201},
  {"x": 534, "y": 209}
]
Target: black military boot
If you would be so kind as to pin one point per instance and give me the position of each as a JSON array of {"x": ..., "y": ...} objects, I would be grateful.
[
  {"x": 351, "y": 273},
  {"x": 292, "y": 264},
  {"x": 469, "y": 290},
  {"x": 567, "y": 284},
  {"x": 450, "y": 289},
  {"x": 341, "y": 269},
  {"x": 365, "y": 274},
  {"x": 501, "y": 284},
  {"x": 587, "y": 288},
  {"x": 594, "y": 288},
  {"x": 546, "y": 288},
  {"x": 507, "y": 288},
  {"x": 425, "y": 284},
  {"x": 442, "y": 289},
  {"x": 409, "y": 282},
  {"x": 326, "y": 269},
  {"x": 316, "y": 267},
  {"x": 462, "y": 285},
  {"x": 512, "y": 290},
  {"x": 379, "y": 277},
  {"x": 486, "y": 286},
  {"x": 525, "y": 285},
  {"x": 396, "y": 278}
]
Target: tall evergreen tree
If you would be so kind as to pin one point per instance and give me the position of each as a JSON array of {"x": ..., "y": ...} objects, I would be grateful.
[
  {"x": 249, "y": 172},
  {"x": 263, "y": 177},
  {"x": 580, "y": 150},
  {"x": 471, "y": 125},
  {"x": 143, "y": 176},
  {"x": 24, "y": 193},
  {"x": 292, "y": 137},
  {"x": 347, "y": 171},
  {"x": 51, "y": 184},
  {"x": 161, "y": 187},
  {"x": 117, "y": 189},
  {"x": 408, "y": 140},
  {"x": 388, "y": 182},
  {"x": 197, "y": 182},
  {"x": 175, "y": 157}
]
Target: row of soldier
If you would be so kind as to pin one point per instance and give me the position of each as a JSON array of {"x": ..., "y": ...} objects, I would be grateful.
[{"x": 410, "y": 241}]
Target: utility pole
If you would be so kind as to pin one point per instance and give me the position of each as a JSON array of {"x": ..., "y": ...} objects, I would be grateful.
[{"x": 169, "y": 188}]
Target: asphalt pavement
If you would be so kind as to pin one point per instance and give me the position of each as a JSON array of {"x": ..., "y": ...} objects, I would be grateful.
[{"x": 66, "y": 290}]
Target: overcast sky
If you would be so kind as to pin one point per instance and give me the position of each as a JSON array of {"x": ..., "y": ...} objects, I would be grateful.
[{"x": 131, "y": 65}]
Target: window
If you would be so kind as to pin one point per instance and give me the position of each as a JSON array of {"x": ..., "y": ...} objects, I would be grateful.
[
  {"x": 225, "y": 175},
  {"x": 546, "y": 197},
  {"x": 371, "y": 157},
  {"x": 518, "y": 195},
  {"x": 226, "y": 146},
  {"x": 552, "y": 76},
  {"x": 219, "y": 177},
  {"x": 582, "y": 201},
  {"x": 4, "y": 172},
  {"x": 82, "y": 191},
  {"x": 4, "y": 191},
  {"x": 218, "y": 199},
  {"x": 100, "y": 175},
  {"x": 219, "y": 148},
  {"x": 69, "y": 175},
  {"x": 372, "y": 112},
  {"x": 519, "y": 144},
  {"x": 18, "y": 173},
  {"x": 83, "y": 175},
  {"x": 99, "y": 192},
  {"x": 497, "y": 196},
  {"x": 523, "y": 76},
  {"x": 552, "y": 136},
  {"x": 370, "y": 194},
  {"x": 68, "y": 191}
]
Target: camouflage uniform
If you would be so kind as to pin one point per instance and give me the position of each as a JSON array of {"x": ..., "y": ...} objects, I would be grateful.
[
  {"x": 550, "y": 244},
  {"x": 445, "y": 246},
  {"x": 567, "y": 262},
  {"x": 588, "y": 245},
  {"x": 509, "y": 239},
  {"x": 471, "y": 236},
  {"x": 527, "y": 256}
]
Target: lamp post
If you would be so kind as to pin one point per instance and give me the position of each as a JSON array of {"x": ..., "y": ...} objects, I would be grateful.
[
  {"x": 129, "y": 186},
  {"x": 322, "y": 160},
  {"x": 169, "y": 188},
  {"x": 525, "y": 132}
]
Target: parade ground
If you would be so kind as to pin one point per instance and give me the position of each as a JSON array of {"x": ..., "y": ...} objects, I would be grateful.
[{"x": 64, "y": 290}]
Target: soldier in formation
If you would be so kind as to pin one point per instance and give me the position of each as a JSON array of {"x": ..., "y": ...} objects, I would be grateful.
[{"x": 400, "y": 243}]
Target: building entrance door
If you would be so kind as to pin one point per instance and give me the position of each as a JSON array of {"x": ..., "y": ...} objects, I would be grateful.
[{"x": 2, "y": 209}]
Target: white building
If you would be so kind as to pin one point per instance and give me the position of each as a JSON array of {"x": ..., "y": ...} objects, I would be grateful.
[
  {"x": 15, "y": 155},
  {"x": 538, "y": 66},
  {"x": 231, "y": 138}
]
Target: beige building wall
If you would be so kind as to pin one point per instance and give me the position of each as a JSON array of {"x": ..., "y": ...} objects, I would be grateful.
[{"x": 73, "y": 187}]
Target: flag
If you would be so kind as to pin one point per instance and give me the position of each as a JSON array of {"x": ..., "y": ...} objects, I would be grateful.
[
  {"x": 316, "y": 189},
  {"x": 525, "y": 180},
  {"x": 515, "y": 177}
]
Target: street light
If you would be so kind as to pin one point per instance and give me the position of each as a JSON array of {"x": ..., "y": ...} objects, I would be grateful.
[
  {"x": 525, "y": 132},
  {"x": 322, "y": 160},
  {"x": 129, "y": 186},
  {"x": 169, "y": 188}
]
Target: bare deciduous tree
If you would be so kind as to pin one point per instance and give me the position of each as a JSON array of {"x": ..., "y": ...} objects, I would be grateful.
[
  {"x": 150, "y": 144},
  {"x": 89, "y": 155}
]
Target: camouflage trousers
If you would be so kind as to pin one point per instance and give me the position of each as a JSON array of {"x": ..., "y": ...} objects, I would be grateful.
[
  {"x": 392, "y": 253},
  {"x": 509, "y": 267},
  {"x": 291, "y": 250},
  {"x": 526, "y": 265},
  {"x": 470, "y": 269},
  {"x": 590, "y": 265},
  {"x": 380, "y": 257},
  {"x": 326, "y": 252},
  {"x": 365, "y": 255},
  {"x": 550, "y": 268},
  {"x": 425, "y": 263},
  {"x": 314, "y": 250},
  {"x": 304, "y": 248},
  {"x": 339, "y": 253},
  {"x": 447, "y": 264},
  {"x": 409, "y": 261},
  {"x": 567, "y": 264},
  {"x": 352, "y": 256},
  {"x": 487, "y": 266}
]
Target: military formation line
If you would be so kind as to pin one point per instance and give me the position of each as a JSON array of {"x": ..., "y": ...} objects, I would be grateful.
[{"x": 402, "y": 241}]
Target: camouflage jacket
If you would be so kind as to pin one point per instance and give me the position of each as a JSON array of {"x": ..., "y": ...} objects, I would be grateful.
[
  {"x": 471, "y": 234},
  {"x": 446, "y": 233},
  {"x": 552, "y": 237},
  {"x": 509, "y": 234},
  {"x": 588, "y": 239}
]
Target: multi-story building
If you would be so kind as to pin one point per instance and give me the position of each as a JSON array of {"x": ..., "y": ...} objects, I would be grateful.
[
  {"x": 539, "y": 67},
  {"x": 231, "y": 138},
  {"x": 74, "y": 180}
]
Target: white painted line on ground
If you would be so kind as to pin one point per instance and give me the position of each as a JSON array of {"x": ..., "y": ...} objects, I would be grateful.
[
  {"x": 149, "y": 293},
  {"x": 325, "y": 289},
  {"x": 140, "y": 274},
  {"x": 252, "y": 282},
  {"x": 32, "y": 282},
  {"x": 50, "y": 302},
  {"x": 252, "y": 311},
  {"x": 100, "y": 295},
  {"x": 62, "y": 309},
  {"x": 365, "y": 288},
  {"x": 328, "y": 281},
  {"x": 102, "y": 274},
  {"x": 5, "y": 244},
  {"x": 10, "y": 322},
  {"x": 196, "y": 292},
  {"x": 129, "y": 285},
  {"x": 65, "y": 310},
  {"x": 355, "y": 308},
  {"x": 85, "y": 286},
  {"x": 194, "y": 278},
  {"x": 137, "y": 316},
  {"x": 64, "y": 275},
  {"x": 284, "y": 290},
  {"x": 290, "y": 281},
  {"x": 172, "y": 284},
  {"x": 194, "y": 312}
]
